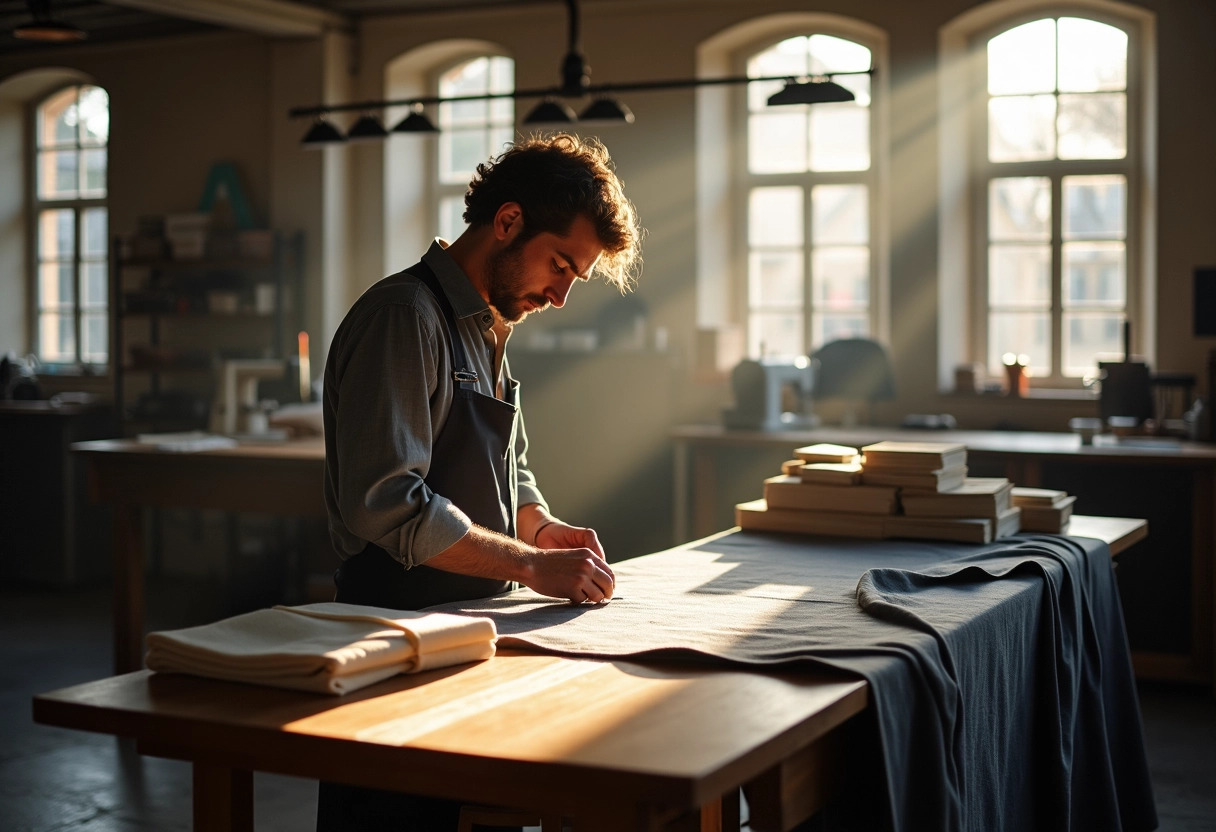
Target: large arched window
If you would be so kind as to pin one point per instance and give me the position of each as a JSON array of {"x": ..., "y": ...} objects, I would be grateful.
[
  {"x": 1057, "y": 174},
  {"x": 472, "y": 131},
  {"x": 810, "y": 190},
  {"x": 70, "y": 226}
]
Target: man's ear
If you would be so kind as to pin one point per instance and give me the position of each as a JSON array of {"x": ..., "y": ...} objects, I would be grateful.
[{"x": 508, "y": 221}]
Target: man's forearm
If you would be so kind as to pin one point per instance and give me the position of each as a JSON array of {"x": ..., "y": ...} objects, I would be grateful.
[{"x": 486, "y": 554}]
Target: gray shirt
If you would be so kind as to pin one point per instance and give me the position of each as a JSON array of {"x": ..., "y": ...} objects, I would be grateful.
[{"x": 388, "y": 390}]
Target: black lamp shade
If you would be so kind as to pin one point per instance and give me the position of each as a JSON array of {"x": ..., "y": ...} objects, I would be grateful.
[
  {"x": 606, "y": 111},
  {"x": 321, "y": 134},
  {"x": 550, "y": 112},
  {"x": 416, "y": 122},
  {"x": 810, "y": 92},
  {"x": 367, "y": 128}
]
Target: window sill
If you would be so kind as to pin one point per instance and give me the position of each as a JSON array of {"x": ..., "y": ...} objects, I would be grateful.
[{"x": 1042, "y": 394}]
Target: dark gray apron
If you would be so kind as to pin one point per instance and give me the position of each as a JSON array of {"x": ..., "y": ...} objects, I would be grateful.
[{"x": 473, "y": 465}]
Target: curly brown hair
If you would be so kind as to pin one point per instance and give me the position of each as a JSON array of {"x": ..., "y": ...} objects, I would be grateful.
[{"x": 555, "y": 179}]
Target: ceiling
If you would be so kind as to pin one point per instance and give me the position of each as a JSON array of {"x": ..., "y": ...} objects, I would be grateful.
[{"x": 111, "y": 21}]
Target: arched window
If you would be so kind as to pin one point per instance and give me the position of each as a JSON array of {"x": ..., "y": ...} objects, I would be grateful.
[
  {"x": 70, "y": 226},
  {"x": 472, "y": 131},
  {"x": 1057, "y": 176},
  {"x": 809, "y": 185}
]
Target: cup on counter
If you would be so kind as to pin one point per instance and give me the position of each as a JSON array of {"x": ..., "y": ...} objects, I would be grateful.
[{"x": 1086, "y": 427}]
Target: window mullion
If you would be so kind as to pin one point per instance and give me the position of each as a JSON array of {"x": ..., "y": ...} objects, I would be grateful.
[
  {"x": 1057, "y": 276},
  {"x": 808, "y": 246}
]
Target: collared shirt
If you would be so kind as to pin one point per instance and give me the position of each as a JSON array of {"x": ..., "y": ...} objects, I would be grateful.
[{"x": 388, "y": 391}]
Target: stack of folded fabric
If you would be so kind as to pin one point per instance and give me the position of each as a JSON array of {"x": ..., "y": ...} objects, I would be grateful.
[{"x": 324, "y": 648}]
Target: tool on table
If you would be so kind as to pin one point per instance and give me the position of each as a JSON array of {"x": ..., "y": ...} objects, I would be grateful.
[{"x": 238, "y": 392}]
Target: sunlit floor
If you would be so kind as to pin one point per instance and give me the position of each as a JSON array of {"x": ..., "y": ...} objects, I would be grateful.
[{"x": 55, "y": 780}]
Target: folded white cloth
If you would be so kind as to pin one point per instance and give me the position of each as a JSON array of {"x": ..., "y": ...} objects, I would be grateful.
[{"x": 325, "y": 648}]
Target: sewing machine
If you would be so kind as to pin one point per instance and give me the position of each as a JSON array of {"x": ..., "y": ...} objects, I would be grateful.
[
  {"x": 771, "y": 394},
  {"x": 237, "y": 396}
]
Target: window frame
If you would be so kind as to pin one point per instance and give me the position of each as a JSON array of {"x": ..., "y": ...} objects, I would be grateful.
[
  {"x": 983, "y": 172},
  {"x": 743, "y": 181},
  {"x": 78, "y": 205},
  {"x": 437, "y": 189}
]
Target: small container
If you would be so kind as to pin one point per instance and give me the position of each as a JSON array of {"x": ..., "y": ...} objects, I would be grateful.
[{"x": 1086, "y": 427}]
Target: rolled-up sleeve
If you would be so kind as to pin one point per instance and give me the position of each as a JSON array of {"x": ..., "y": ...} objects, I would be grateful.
[{"x": 386, "y": 418}]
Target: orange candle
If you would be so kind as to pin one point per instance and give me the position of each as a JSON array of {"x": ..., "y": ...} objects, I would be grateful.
[{"x": 305, "y": 373}]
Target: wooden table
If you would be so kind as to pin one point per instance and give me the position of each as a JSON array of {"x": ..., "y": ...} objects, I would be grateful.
[
  {"x": 1168, "y": 589},
  {"x": 614, "y": 745},
  {"x": 274, "y": 478}
]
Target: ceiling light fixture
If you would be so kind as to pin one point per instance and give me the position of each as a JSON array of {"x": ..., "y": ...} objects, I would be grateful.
[
  {"x": 44, "y": 29},
  {"x": 322, "y": 133},
  {"x": 416, "y": 122},
  {"x": 575, "y": 83},
  {"x": 368, "y": 128}
]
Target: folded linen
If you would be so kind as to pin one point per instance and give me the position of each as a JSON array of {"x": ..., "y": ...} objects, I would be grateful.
[{"x": 324, "y": 648}]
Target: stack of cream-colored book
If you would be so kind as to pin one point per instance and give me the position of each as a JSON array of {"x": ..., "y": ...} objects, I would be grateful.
[
  {"x": 889, "y": 489},
  {"x": 1044, "y": 509}
]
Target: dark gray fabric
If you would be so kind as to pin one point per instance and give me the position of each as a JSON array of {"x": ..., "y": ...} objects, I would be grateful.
[{"x": 1002, "y": 687}]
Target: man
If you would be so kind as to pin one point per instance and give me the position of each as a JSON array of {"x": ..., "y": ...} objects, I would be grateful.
[{"x": 429, "y": 496}]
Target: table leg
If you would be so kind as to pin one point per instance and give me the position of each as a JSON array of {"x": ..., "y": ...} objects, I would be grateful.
[
  {"x": 128, "y": 588},
  {"x": 223, "y": 799}
]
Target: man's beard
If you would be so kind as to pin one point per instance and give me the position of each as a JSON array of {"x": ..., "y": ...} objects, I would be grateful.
[{"x": 506, "y": 286}]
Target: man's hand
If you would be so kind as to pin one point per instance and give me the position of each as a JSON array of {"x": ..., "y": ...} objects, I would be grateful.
[
  {"x": 558, "y": 535},
  {"x": 579, "y": 574}
]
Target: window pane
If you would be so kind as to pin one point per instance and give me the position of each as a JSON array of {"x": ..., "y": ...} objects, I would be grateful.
[
  {"x": 1021, "y": 129},
  {"x": 94, "y": 184},
  {"x": 1089, "y": 338},
  {"x": 56, "y": 336},
  {"x": 57, "y": 234},
  {"x": 840, "y": 137},
  {"x": 93, "y": 284},
  {"x": 776, "y": 141},
  {"x": 775, "y": 217},
  {"x": 500, "y": 137},
  {"x": 1019, "y": 208},
  {"x": 832, "y": 54},
  {"x": 1095, "y": 274},
  {"x": 460, "y": 151},
  {"x": 94, "y": 116},
  {"x": 775, "y": 334},
  {"x": 1023, "y": 59},
  {"x": 826, "y": 328},
  {"x": 840, "y": 214},
  {"x": 1093, "y": 56},
  {"x": 788, "y": 58},
  {"x": 840, "y": 277},
  {"x": 1019, "y": 276},
  {"x": 56, "y": 284},
  {"x": 775, "y": 278},
  {"x": 1021, "y": 333},
  {"x": 469, "y": 78},
  {"x": 57, "y": 174},
  {"x": 93, "y": 236},
  {"x": 94, "y": 336},
  {"x": 464, "y": 113},
  {"x": 57, "y": 119},
  {"x": 451, "y": 217},
  {"x": 1093, "y": 126},
  {"x": 1094, "y": 207}
]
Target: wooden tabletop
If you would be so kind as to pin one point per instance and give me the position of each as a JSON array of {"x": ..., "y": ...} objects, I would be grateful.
[{"x": 583, "y": 737}]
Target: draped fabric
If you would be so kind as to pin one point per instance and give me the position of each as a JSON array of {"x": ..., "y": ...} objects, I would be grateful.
[{"x": 1001, "y": 680}]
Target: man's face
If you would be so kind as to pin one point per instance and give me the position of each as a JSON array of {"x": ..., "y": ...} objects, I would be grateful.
[{"x": 531, "y": 276}]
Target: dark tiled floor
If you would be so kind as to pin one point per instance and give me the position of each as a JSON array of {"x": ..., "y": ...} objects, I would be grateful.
[{"x": 54, "y": 780}]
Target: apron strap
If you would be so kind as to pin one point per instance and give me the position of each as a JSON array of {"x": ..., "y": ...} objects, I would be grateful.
[{"x": 460, "y": 360}]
